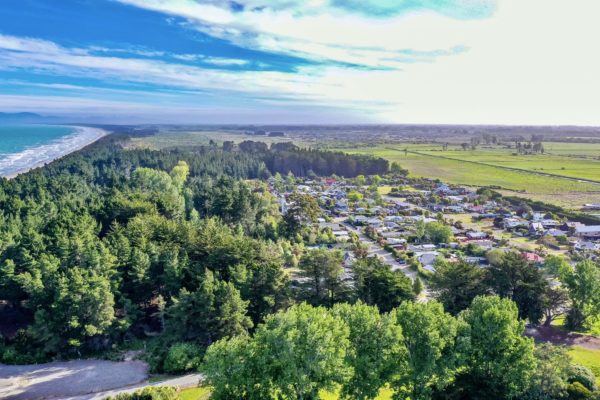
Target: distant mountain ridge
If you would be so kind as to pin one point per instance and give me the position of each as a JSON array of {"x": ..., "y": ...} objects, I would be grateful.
[{"x": 26, "y": 118}]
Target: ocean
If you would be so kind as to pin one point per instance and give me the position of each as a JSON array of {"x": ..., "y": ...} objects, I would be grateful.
[{"x": 23, "y": 147}]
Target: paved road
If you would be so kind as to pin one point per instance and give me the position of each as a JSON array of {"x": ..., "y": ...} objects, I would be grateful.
[{"x": 375, "y": 249}]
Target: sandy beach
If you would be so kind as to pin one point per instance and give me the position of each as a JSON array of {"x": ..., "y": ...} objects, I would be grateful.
[{"x": 39, "y": 156}]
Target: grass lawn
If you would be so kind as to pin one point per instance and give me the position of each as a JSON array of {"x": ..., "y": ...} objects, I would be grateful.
[
  {"x": 587, "y": 358},
  {"x": 384, "y": 189},
  {"x": 195, "y": 393}
]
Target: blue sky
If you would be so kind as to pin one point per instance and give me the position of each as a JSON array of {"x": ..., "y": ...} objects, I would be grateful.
[{"x": 300, "y": 61}]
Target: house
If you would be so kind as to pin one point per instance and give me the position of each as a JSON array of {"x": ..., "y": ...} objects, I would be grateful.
[
  {"x": 476, "y": 235},
  {"x": 422, "y": 247},
  {"x": 454, "y": 209},
  {"x": 590, "y": 207},
  {"x": 427, "y": 259},
  {"x": 549, "y": 223},
  {"x": 393, "y": 218},
  {"x": 476, "y": 260},
  {"x": 570, "y": 226},
  {"x": 374, "y": 222},
  {"x": 583, "y": 245},
  {"x": 360, "y": 219},
  {"x": 533, "y": 258},
  {"x": 393, "y": 241},
  {"x": 392, "y": 234},
  {"x": 588, "y": 232},
  {"x": 554, "y": 232},
  {"x": 512, "y": 223},
  {"x": 536, "y": 228}
]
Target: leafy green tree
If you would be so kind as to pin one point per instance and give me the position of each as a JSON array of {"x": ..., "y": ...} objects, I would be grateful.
[
  {"x": 263, "y": 282},
  {"x": 79, "y": 310},
  {"x": 179, "y": 174},
  {"x": 376, "y": 345},
  {"x": 438, "y": 232},
  {"x": 303, "y": 209},
  {"x": 376, "y": 284},
  {"x": 417, "y": 286},
  {"x": 554, "y": 265},
  {"x": 556, "y": 302},
  {"x": 456, "y": 284},
  {"x": 583, "y": 375},
  {"x": 293, "y": 355},
  {"x": 522, "y": 282},
  {"x": 396, "y": 169},
  {"x": 182, "y": 357},
  {"x": 214, "y": 311},
  {"x": 551, "y": 377},
  {"x": 159, "y": 187},
  {"x": 500, "y": 360},
  {"x": 355, "y": 196},
  {"x": 583, "y": 284},
  {"x": 431, "y": 341},
  {"x": 322, "y": 271},
  {"x": 233, "y": 369}
]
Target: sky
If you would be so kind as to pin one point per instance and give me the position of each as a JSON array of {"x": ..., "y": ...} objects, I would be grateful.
[{"x": 534, "y": 62}]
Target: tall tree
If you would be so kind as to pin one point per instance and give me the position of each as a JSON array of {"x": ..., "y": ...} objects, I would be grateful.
[
  {"x": 293, "y": 355},
  {"x": 522, "y": 282},
  {"x": 456, "y": 284},
  {"x": 500, "y": 360},
  {"x": 323, "y": 275},
  {"x": 376, "y": 284},
  {"x": 80, "y": 310},
  {"x": 214, "y": 311},
  {"x": 303, "y": 208},
  {"x": 430, "y": 338},
  {"x": 583, "y": 284},
  {"x": 376, "y": 345}
]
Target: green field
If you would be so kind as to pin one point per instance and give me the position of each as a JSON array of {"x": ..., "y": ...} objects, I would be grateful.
[{"x": 524, "y": 175}]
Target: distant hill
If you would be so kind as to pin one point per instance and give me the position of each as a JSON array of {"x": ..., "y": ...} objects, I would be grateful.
[{"x": 26, "y": 118}]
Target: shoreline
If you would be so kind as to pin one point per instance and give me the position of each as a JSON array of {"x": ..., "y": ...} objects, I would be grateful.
[{"x": 81, "y": 137}]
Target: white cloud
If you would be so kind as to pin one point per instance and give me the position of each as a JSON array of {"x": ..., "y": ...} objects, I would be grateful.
[{"x": 532, "y": 62}]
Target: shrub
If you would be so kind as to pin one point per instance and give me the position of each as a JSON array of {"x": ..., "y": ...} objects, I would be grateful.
[
  {"x": 150, "y": 393},
  {"x": 182, "y": 357},
  {"x": 577, "y": 391},
  {"x": 582, "y": 375}
]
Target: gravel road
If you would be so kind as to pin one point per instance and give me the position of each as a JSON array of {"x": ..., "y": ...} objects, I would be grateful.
[{"x": 59, "y": 380}]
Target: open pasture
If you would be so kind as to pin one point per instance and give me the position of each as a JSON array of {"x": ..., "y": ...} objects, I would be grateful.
[{"x": 548, "y": 177}]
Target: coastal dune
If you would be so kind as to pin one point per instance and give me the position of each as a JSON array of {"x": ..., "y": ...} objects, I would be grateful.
[{"x": 15, "y": 164}]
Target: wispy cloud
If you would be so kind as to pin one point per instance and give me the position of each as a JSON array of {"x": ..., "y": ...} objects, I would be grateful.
[
  {"x": 311, "y": 85},
  {"x": 353, "y": 32}
]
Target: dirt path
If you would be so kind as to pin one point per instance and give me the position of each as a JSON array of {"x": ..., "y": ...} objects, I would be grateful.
[
  {"x": 559, "y": 337},
  {"x": 59, "y": 380}
]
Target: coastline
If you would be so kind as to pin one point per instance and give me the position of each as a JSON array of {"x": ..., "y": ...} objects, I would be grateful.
[{"x": 81, "y": 137}]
